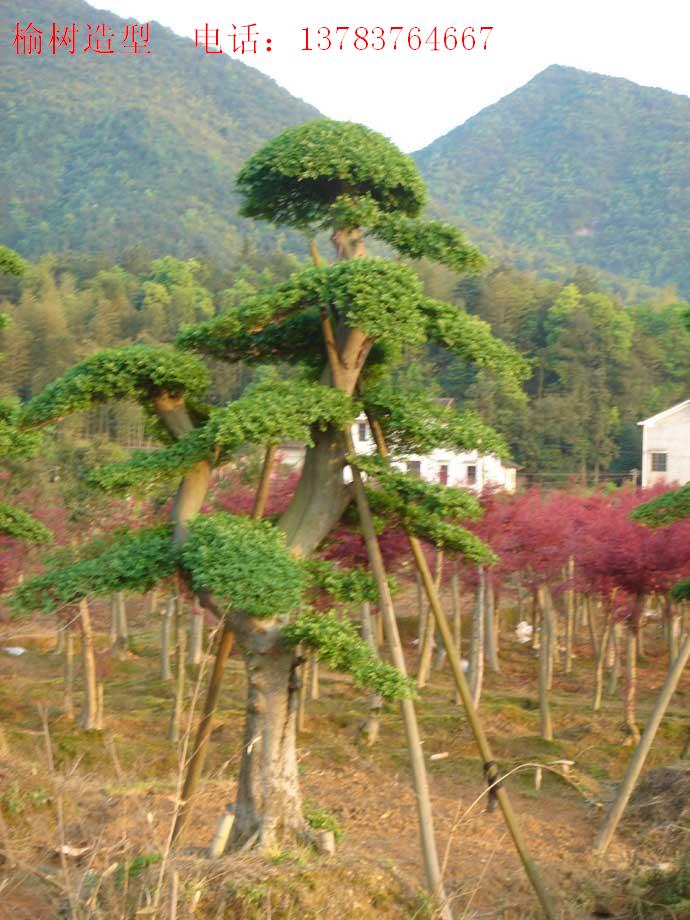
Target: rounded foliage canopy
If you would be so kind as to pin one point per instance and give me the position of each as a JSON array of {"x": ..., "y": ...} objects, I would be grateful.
[{"x": 297, "y": 177}]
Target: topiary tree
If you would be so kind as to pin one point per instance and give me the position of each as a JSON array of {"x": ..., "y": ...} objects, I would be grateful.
[{"x": 343, "y": 326}]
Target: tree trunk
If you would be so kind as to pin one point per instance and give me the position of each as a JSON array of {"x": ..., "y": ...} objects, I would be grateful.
[
  {"x": 456, "y": 601},
  {"x": 68, "y": 676},
  {"x": 421, "y": 615},
  {"x": 100, "y": 714},
  {"x": 631, "y": 682},
  {"x": 569, "y": 617},
  {"x": 166, "y": 628},
  {"x": 151, "y": 602},
  {"x": 268, "y": 808},
  {"x": 545, "y": 727},
  {"x": 178, "y": 703},
  {"x": 59, "y": 639},
  {"x": 122, "y": 629},
  {"x": 196, "y": 638},
  {"x": 303, "y": 679},
  {"x": 599, "y": 669},
  {"x": 592, "y": 627},
  {"x": 673, "y": 627},
  {"x": 490, "y": 646},
  {"x": 314, "y": 688},
  {"x": 426, "y": 650},
  {"x": 89, "y": 715},
  {"x": 616, "y": 652},
  {"x": 372, "y": 724},
  {"x": 476, "y": 669},
  {"x": 112, "y": 632},
  {"x": 637, "y": 762}
]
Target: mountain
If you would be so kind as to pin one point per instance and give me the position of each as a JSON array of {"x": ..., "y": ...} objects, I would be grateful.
[
  {"x": 575, "y": 167},
  {"x": 100, "y": 152}
]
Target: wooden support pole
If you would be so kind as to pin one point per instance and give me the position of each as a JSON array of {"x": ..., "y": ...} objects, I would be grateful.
[
  {"x": 635, "y": 767},
  {"x": 480, "y": 738}
]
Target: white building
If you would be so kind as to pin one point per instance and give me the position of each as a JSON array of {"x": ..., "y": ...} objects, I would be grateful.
[
  {"x": 666, "y": 446},
  {"x": 468, "y": 469}
]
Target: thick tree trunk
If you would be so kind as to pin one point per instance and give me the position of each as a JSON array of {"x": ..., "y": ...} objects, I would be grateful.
[
  {"x": 268, "y": 808},
  {"x": 476, "y": 668},
  {"x": 89, "y": 715}
]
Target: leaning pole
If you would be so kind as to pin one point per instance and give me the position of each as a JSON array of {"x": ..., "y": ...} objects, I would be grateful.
[{"x": 635, "y": 767}]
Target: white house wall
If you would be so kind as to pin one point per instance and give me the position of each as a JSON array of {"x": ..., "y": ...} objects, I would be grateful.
[
  {"x": 489, "y": 469},
  {"x": 669, "y": 435}
]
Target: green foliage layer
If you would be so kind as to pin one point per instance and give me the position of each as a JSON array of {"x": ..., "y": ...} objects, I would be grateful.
[
  {"x": 341, "y": 649},
  {"x": 344, "y": 585},
  {"x": 138, "y": 372},
  {"x": 269, "y": 412},
  {"x": 17, "y": 523},
  {"x": 243, "y": 563},
  {"x": 134, "y": 561},
  {"x": 665, "y": 509},
  {"x": 414, "y": 422},
  {"x": 425, "y": 509},
  {"x": 295, "y": 178}
]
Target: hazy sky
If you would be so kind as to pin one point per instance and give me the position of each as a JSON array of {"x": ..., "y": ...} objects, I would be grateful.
[{"x": 415, "y": 97}]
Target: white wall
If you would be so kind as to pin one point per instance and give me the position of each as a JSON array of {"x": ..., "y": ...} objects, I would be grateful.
[
  {"x": 489, "y": 471},
  {"x": 669, "y": 435}
]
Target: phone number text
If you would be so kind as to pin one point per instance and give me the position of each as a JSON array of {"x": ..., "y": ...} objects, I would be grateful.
[{"x": 394, "y": 38}]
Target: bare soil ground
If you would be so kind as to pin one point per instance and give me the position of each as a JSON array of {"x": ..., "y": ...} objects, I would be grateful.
[{"x": 117, "y": 792}]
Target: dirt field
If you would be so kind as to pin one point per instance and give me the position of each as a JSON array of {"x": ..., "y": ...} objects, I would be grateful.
[{"x": 117, "y": 792}]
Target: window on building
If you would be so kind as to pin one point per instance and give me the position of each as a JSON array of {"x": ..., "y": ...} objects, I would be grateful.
[
  {"x": 471, "y": 474},
  {"x": 443, "y": 474},
  {"x": 659, "y": 463},
  {"x": 414, "y": 468},
  {"x": 363, "y": 432}
]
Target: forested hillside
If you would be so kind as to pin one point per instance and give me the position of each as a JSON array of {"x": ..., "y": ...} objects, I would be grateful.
[
  {"x": 597, "y": 366},
  {"x": 97, "y": 152},
  {"x": 575, "y": 167}
]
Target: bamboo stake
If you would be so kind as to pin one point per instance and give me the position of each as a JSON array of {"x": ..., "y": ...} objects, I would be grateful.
[
  {"x": 414, "y": 746},
  {"x": 637, "y": 762},
  {"x": 477, "y": 730}
]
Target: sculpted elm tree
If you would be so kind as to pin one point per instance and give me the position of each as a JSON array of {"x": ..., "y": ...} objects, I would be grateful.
[{"x": 342, "y": 325}]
